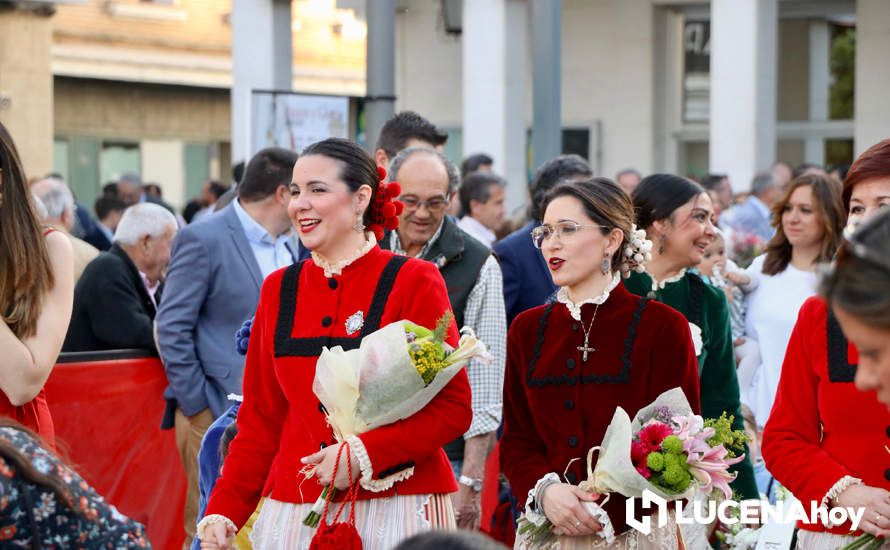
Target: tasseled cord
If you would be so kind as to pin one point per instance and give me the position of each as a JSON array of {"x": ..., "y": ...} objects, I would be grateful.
[{"x": 343, "y": 535}]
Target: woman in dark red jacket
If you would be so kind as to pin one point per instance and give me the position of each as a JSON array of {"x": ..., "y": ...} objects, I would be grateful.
[
  {"x": 570, "y": 364},
  {"x": 825, "y": 440},
  {"x": 348, "y": 289}
]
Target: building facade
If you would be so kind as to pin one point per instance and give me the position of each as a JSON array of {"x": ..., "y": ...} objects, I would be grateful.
[
  {"x": 684, "y": 86},
  {"x": 144, "y": 86}
]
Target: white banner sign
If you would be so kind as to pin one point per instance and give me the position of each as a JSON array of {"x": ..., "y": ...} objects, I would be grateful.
[{"x": 294, "y": 121}]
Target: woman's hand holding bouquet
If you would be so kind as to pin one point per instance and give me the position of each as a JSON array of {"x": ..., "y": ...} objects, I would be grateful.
[
  {"x": 564, "y": 508},
  {"x": 665, "y": 449},
  {"x": 395, "y": 373}
]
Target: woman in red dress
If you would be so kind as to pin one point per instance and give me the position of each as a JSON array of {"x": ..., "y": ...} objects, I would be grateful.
[
  {"x": 348, "y": 289},
  {"x": 36, "y": 294},
  {"x": 825, "y": 440}
]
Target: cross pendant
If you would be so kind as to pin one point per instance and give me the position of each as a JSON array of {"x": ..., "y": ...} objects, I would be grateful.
[{"x": 584, "y": 350}]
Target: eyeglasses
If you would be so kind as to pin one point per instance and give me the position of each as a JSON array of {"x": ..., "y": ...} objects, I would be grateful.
[
  {"x": 564, "y": 231},
  {"x": 434, "y": 205}
]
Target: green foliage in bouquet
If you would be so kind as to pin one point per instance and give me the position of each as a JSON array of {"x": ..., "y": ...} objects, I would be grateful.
[
  {"x": 732, "y": 440},
  {"x": 668, "y": 465},
  {"x": 427, "y": 347}
]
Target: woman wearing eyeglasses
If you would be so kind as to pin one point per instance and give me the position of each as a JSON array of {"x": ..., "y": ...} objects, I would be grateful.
[
  {"x": 572, "y": 362},
  {"x": 676, "y": 214},
  {"x": 826, "y": 440}
]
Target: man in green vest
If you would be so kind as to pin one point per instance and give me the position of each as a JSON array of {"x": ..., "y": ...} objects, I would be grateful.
[{"x": 475, "y": 287}]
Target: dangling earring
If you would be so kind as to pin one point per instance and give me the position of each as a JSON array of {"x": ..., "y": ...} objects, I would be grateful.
[
  {"x": 661, "y": 244},
  {"x": 606, "y": 266},
  {"x": 359, "y": 226}
]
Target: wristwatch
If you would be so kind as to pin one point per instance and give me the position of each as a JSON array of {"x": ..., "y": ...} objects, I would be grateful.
[{"x": 474, "y": 484}]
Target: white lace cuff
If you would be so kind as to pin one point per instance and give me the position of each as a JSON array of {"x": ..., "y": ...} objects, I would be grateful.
[
  {"x": 534, "y": 504},
  {"x": 212, "y": 519},
  {"x": 360, "y": 453},
  {"x": 842, "y": 485},
  {"x": 608, "y": 530}
]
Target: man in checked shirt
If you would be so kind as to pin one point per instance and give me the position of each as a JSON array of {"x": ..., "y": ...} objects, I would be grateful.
[{"x": 475, "y": 288}]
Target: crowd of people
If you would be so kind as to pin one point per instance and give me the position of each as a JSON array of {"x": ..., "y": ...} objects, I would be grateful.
[{"x": 770, "y": 307}]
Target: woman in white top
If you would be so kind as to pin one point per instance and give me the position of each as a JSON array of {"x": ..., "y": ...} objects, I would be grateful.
[{"x": 809, "y": 222}]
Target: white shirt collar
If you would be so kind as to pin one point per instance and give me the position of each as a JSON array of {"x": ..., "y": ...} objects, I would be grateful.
[
  {"x": 254, "y": 232},
  {"x": 562, "y": 296},
  {"x": 477, "y": 230},
  {"x": 150, "y": 288},
  {"x": 395, "y": 243}
]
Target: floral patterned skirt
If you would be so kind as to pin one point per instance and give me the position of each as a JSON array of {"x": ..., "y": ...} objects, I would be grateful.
[{"x": 382, "y": 523}]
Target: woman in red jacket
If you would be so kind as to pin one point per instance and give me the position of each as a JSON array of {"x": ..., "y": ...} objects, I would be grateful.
[
  {"x": 36, "y": 294},
  {"x": 572, "y": 362},
  {"x": 825, "y": 440},
  {"x": 348, "y": 289}
]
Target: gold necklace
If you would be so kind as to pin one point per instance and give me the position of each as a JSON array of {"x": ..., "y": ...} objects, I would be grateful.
[{"x": 585, "y": 349}]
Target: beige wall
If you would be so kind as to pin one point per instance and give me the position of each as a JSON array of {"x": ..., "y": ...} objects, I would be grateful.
[
  {"x": 607, "y": 67},
  {"x": 189, "y": 43},
  {"x": 608, "y": 71},
  {"x": 129, "y": 110},
  {"x": 428, "y": 65},
  {"x": 26, "y": 81},
  {"x": 163, "y": 162}
]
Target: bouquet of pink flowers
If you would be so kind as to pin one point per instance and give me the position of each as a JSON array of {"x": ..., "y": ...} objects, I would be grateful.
[
  {"x": 674, "y": 452},
  {"x": 744, "y": 247},
  {"x": 665, "y": 449}
]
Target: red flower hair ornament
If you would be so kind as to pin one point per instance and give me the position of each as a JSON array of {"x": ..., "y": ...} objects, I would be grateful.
[{"x": 385, "y": 209}]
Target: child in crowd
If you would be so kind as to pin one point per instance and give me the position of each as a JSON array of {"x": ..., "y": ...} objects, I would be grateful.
[{"x": 723, "y": 273}]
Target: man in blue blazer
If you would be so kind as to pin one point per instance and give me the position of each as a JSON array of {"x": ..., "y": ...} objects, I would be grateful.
[
  {"x": 213, "y": 283},
  {"x": 527, "y": 281},
  {"x": 755, "y": 214}
]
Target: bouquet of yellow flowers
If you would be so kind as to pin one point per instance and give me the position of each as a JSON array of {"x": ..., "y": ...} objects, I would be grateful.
[{"x": 395, "y": 372}]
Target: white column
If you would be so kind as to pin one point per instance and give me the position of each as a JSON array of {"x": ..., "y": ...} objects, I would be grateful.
[
  {"x": 514, "y": 165},
  {"x": 820, "y": 79},
  {"x": 872, "y": 122},
  {"x": 743, "y": 88},
  {"x": 485, "y": 79},
  {"x": 262, "y": 55}
]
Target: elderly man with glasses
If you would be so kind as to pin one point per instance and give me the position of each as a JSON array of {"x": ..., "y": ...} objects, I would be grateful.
[{"x": 475, "y": 288}]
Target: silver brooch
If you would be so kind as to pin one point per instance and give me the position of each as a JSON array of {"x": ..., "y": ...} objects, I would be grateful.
[{"x": 355, "y": 322}]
